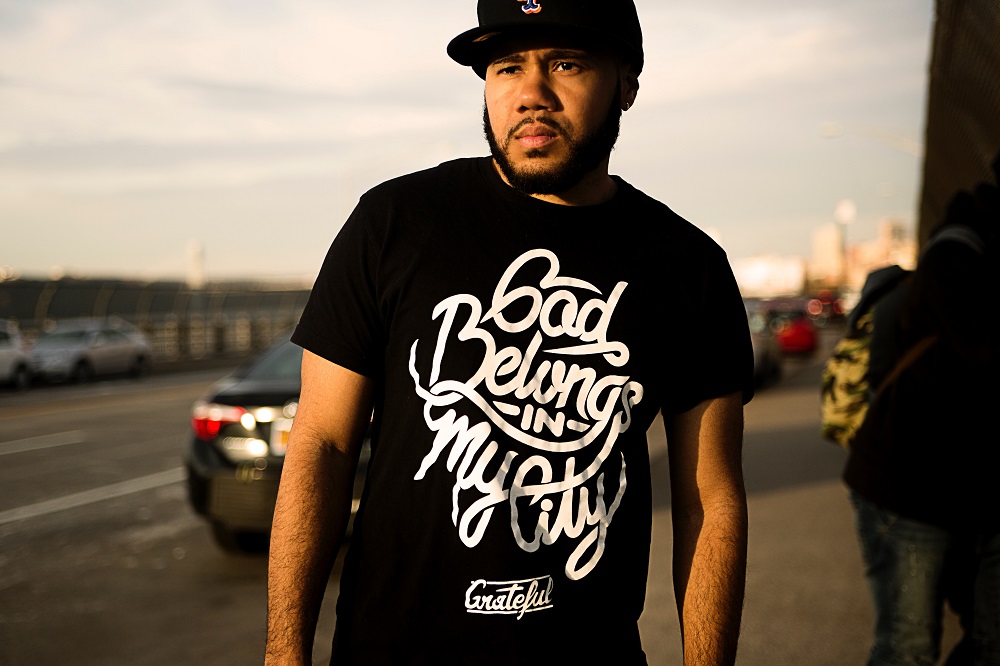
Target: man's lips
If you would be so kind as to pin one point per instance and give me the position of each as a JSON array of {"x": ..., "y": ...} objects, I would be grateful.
[
  {"x": 535, "y": 135},
  {"x": 535, "y": 140}
]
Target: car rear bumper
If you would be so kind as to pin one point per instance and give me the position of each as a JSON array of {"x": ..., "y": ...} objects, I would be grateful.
[
  {"x": 243, "y": 503},
  {"x": 240, "y": 497}
]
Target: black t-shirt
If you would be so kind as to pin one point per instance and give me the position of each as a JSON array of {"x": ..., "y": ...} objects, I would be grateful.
[{"x": 521, "y": 350}]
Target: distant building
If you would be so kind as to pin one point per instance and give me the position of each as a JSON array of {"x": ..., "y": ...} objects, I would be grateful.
[
  {"x": 894, "y": 244},
  {"x": 770, "y": 276},
  {"x": 826, "y": 267}
]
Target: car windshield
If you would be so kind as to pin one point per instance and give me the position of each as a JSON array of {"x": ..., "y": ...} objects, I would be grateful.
[
  {"x": 281, "y": 363},
  {"x": 61, "y": 339}
]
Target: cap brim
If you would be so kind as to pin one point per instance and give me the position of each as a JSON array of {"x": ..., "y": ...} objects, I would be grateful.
[{"x": 472, "y": 48}]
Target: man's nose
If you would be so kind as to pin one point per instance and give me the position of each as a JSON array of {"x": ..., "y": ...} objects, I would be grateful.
[{"x": 536, "y": 92}]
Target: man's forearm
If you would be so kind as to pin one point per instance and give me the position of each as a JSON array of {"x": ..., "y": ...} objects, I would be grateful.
[
  {"x": 710, "y": 555},
  {"x": 310, "y": 518}
]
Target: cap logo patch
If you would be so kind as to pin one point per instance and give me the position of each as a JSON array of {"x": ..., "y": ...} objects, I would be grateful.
[{"x": 530, "y": 7}]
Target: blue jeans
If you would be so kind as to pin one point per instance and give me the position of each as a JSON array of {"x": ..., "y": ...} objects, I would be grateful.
[
  {"x": 986, "y": 604},
  {"x": 912, "y": 569}
]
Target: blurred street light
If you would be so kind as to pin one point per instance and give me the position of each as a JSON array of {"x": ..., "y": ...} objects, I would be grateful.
[{"x": 845, "y": 212}]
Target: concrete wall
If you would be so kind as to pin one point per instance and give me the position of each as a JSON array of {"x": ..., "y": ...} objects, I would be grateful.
[{"x": 963, "y": 130}]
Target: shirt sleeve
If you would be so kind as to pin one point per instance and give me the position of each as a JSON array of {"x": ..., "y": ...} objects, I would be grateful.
[
  {"x": 341, "y": 321},
  {"x": 716, "y": 358}
]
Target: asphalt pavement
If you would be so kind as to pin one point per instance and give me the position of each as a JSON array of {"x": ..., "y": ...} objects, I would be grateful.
[{"x": 103, "y": 562}]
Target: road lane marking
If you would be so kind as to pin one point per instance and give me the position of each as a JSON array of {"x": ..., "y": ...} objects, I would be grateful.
[
  {"x": 42, "y": 442},
  {"x": 91, "y": 496},
  {"x": 59, "y": 400}
]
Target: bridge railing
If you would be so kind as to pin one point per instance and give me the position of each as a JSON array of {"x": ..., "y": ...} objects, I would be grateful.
[{"x": 181, "y": 323}]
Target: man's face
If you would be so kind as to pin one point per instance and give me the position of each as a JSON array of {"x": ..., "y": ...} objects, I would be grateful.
[{"x": 551, "y": 114}]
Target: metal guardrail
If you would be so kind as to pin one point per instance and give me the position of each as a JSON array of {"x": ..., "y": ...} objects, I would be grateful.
[{"x": 226, "y": 319}]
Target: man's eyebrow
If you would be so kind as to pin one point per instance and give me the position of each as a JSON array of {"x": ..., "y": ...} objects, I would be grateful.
[
  {"x": 566, "y": 54},
  {"x": 511, "y": 59}
]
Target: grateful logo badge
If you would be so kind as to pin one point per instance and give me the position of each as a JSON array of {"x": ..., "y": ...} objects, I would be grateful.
[{"x": 530, "y": 7}]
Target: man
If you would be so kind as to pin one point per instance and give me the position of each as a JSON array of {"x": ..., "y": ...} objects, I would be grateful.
[{"x": 514, "y": 324}]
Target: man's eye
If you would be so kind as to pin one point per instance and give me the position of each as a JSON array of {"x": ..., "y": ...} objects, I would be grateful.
[
  {"x": 563, "y": 66},
  {"x": 509, "y": 69}
]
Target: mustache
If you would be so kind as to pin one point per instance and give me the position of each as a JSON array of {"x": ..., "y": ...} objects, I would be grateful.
[{"x": 539, "y": 120}]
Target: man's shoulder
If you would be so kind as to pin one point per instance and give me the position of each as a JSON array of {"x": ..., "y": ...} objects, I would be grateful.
[
  {"x": 661, "y": 220},
  {"x": 431, "y": 181}
]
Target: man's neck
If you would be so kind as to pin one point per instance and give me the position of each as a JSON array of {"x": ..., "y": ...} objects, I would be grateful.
[{"x": 594, "y": 188}]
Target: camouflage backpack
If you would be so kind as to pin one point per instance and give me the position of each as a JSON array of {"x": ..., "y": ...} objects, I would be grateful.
[{"x": 846, "y": 392}]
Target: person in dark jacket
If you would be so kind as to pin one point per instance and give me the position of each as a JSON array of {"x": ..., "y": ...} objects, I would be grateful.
[{"x": 924, "y": 470}]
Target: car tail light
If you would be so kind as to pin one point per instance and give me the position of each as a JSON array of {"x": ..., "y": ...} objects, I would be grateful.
[{"x": 208, "y": 418}]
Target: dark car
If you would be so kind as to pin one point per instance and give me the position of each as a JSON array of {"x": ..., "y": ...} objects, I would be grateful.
[{"x": 240, "y": 434}]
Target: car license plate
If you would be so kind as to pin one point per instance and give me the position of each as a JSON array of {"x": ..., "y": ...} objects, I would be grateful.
[{"x": 280, "y": 430}]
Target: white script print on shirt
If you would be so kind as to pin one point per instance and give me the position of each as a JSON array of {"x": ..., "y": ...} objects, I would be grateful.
[{"x": 559, "y": 396}]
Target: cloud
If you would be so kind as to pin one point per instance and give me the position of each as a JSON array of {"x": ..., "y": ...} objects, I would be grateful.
[
  {"x": 171, "y": 89},
  {"x": 208, "y": 71},
  {"x": 703, "y": 53},
  {"x": 192, "y": 100},
  {"x": 213, "y": 71},
  {"x": 243, "y": 95}
]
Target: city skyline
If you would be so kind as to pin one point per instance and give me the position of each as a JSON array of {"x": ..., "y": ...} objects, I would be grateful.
[{"x": 127, "y": 133}]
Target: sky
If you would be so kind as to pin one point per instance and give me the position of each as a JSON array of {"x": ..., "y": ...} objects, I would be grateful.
[{"x": 132, "y": 132}]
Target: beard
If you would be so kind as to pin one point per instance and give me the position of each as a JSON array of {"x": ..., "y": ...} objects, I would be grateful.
[{"x": 584, "y": 153}]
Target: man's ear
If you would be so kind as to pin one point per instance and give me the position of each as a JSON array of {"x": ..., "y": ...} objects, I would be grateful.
[{"x": 630, "y": 87}]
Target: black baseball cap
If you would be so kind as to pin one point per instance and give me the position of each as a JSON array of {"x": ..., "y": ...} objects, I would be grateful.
[{"x": 611, "y": 22}]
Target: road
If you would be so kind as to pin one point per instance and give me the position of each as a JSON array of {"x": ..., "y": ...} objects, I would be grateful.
[{"x": 103, "y": 562}]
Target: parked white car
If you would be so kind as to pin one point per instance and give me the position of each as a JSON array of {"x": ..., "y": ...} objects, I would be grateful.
[
  {"x": 80, "y": 353},
  {"x": 14, "y": 362}
]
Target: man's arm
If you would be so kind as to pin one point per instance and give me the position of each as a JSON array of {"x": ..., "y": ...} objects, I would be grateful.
[
  {"x": 314, "y": 503},
  {"x": 709, "y": 509}
]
